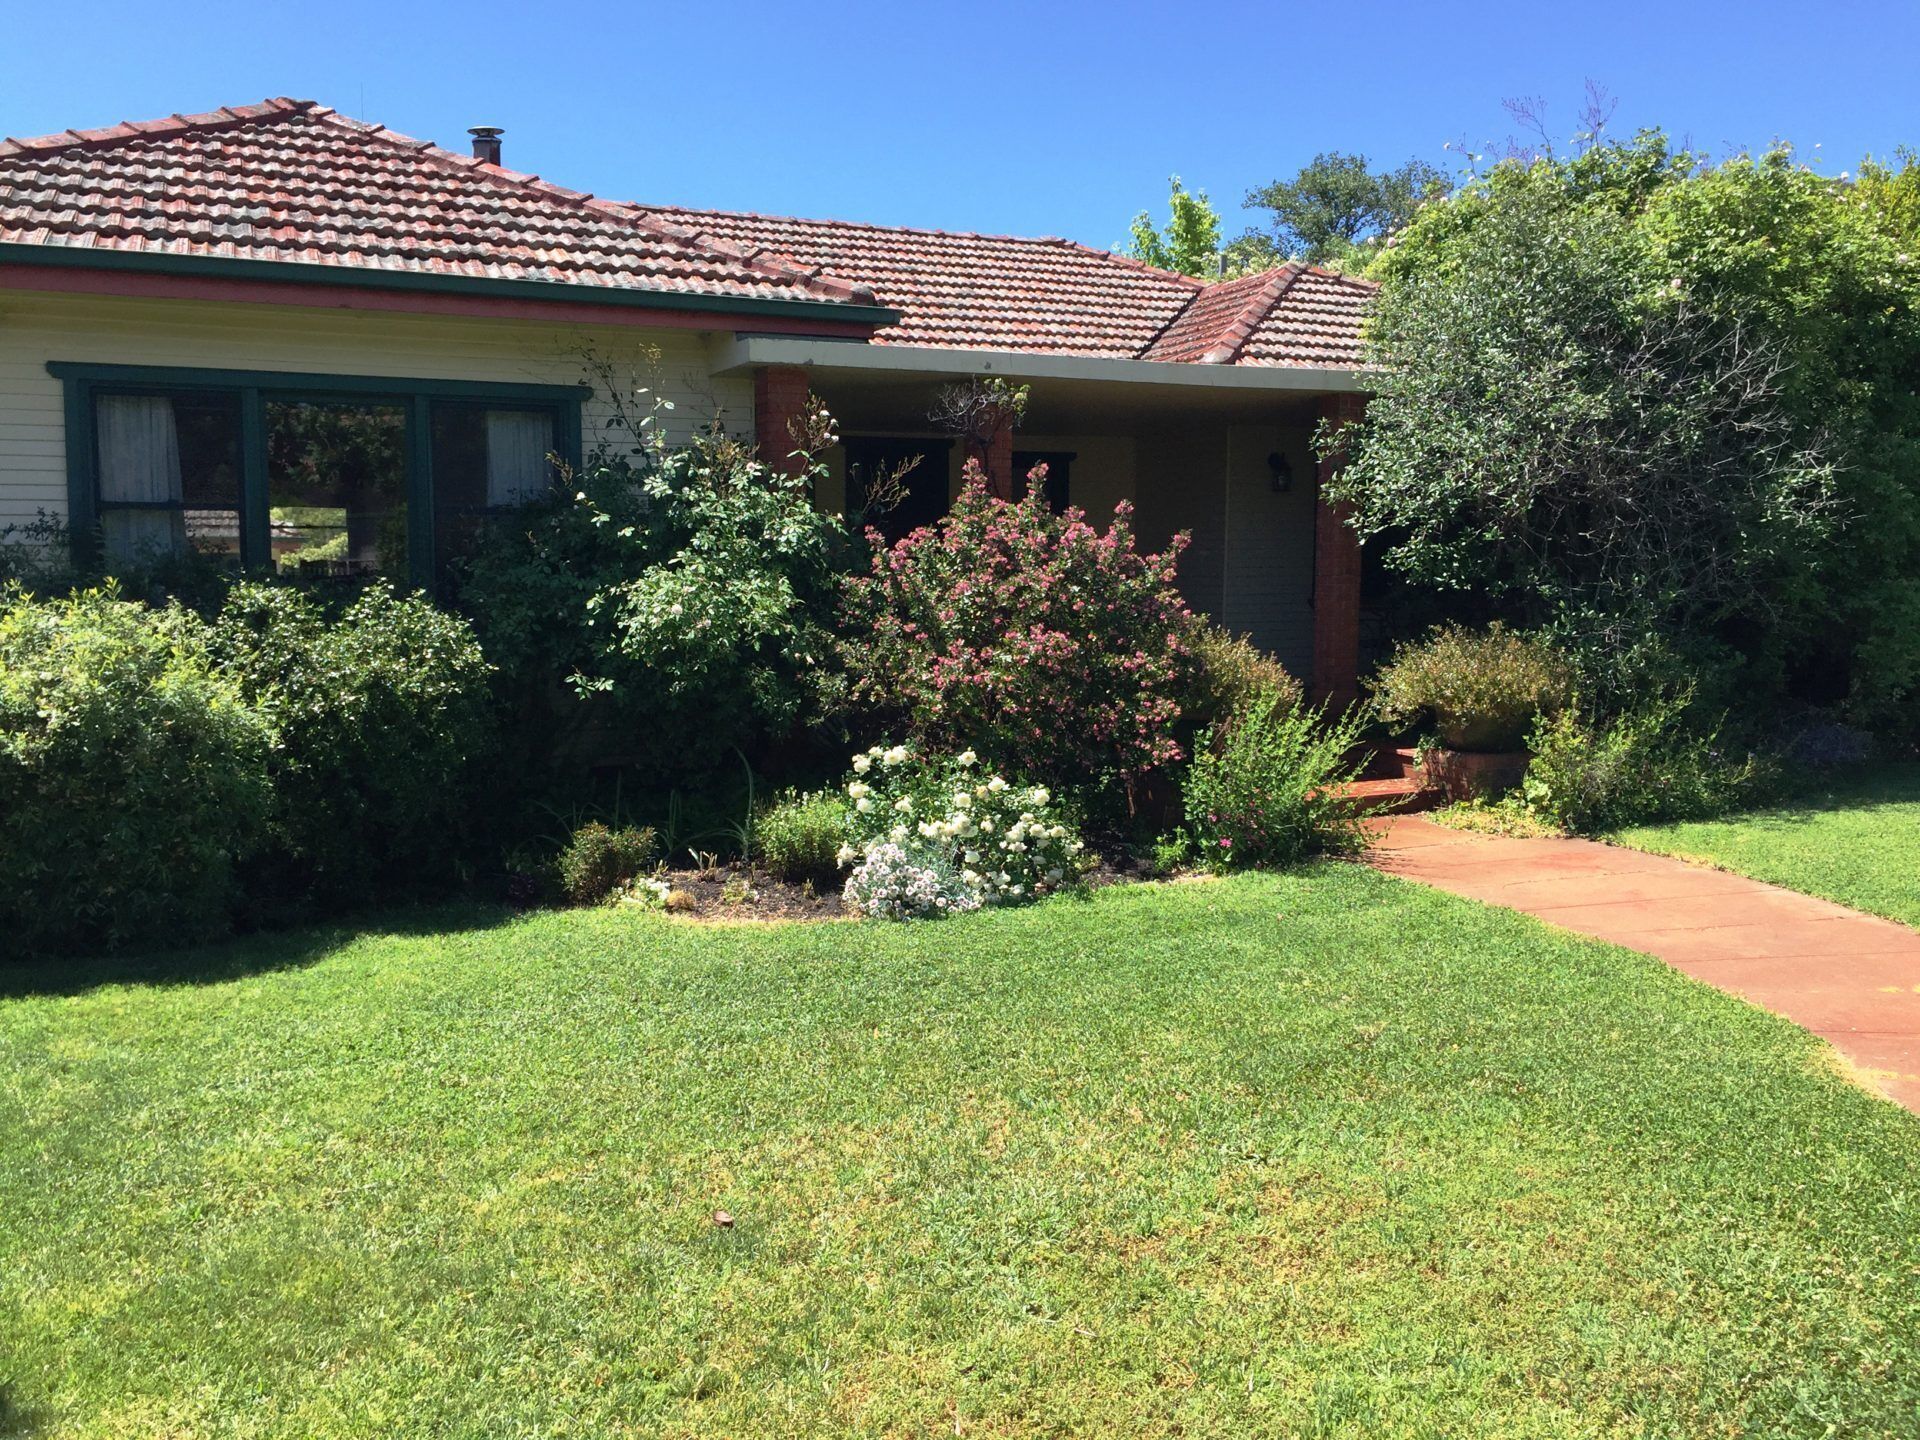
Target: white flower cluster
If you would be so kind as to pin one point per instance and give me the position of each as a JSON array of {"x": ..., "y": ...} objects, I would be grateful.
[
  {"x": 648, "y": 891},
  {"x": 1001, "y": 841},
  {"x": 892, "y": 884}
]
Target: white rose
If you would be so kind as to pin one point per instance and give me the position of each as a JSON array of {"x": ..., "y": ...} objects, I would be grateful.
[
  {"x": 1041, "y": 795},
  {"x": 987, "y": 824},
  {"x": 962, "y": 800},
  {"x": 966, "y": 757},
  {"x": 863, "y": 805},
  {"x": 904, "y": 804},
  {"x": 894, "y": 756},
  {"x": 862, "y": 764},
  {"x": 859, "y": 791},
  {"x": 996, "y": 784}
]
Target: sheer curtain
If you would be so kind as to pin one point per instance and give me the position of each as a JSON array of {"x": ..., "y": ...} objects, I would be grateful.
[
  {"x": 517, "y": 446},
  {"x": 139, "y": 450}
]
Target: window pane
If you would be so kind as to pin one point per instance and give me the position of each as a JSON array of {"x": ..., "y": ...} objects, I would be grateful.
[
  {"x": 169, "y": 474},
  {"x": 337, "y": 488},
  {"x": 485, "y": 458}
]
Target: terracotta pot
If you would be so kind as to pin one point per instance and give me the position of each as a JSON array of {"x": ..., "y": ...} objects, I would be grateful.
[{"x": 1465, "y": 774}]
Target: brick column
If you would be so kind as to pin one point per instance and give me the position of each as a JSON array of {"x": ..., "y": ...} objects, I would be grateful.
[
  {"x": 996, "y": 458},
  {"x": 779, "y": 400},
  {"x": 1336, "y": 578}
]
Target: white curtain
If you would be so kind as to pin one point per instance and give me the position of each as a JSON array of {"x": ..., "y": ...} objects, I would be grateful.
[
  {"x": 517, "y": 446},
  {"x": 139, "y": 450}
]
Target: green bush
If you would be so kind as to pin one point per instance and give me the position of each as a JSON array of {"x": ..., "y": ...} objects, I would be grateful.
[
  {"x": 1227, "y": 674},
  {"x": 597, "y": 860},
  {"x": 800, "y": 837},
  {"x": 1268, "y": 789},
  {"x": 384, "y": 734},
  {"x": 1646, "y": 765},
  {"x": 132, "y": 775},
  {"x": 684, "y": 592},
  {"x": 1483, "y": 688}
]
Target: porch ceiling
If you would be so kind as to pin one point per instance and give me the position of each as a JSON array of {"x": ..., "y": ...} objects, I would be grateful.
[{"x": 891, "y": 388}]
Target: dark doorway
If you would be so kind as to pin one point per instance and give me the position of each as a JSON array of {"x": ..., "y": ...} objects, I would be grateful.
[{"x": 922, "y": 493}]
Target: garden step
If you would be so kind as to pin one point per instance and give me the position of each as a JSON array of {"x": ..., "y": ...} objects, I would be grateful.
[
  {"x": 1384, "y": 762},
  {"x": 1394, "y": 795}
]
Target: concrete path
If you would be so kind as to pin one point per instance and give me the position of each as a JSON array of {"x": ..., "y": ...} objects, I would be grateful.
[{"x": 1852, "y": 979}]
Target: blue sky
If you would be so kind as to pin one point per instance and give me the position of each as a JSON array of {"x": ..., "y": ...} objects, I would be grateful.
[{"x": 1058, "y": 119}]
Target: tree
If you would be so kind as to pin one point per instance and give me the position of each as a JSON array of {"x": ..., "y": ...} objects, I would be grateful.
[
  {"x": 1337, "y": 210},
  {"x": 1191, "y": 243},
  {"x": 1663, "y": 407}
]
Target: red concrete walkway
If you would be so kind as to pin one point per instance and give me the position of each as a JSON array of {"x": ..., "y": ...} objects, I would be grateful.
[{"x": 1852, "y": 979}]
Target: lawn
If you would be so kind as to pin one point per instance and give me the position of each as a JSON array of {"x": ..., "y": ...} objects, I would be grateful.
[
  {"x": 1321, "y": 1154},
  {"x": 1855, "y": 840}
]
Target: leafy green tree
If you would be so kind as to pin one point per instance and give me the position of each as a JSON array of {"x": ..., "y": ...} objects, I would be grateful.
[
  {"x": 1664, "y": 407},
  {"x": 1191, "y": 241},
  {"x": 1337, "y": 210}
]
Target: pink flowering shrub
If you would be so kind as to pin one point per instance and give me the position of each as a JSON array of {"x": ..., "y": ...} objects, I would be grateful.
[{"x": 1054, "y": 648}]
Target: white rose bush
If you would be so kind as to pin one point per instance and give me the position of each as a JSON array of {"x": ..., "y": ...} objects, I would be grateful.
[{"x": 939, "y": 835}]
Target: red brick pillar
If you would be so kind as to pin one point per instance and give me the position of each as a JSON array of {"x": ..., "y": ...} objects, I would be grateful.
[
  {"x": 779, "y": 402},
  {"x": 1336, "y": 578},
  {"x": 1000, "y": 461}
]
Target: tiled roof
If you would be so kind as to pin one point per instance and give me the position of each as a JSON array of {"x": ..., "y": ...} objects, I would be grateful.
[
  {"x": 997, "y": 292},
  {"x": 974, "y": 292},
  {"x": 290, "y": 180},
  {"x": 1316, "y": 321}
]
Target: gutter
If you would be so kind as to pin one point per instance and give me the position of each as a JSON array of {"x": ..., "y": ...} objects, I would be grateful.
[
  {"x": 362, "y": 277},
  {"x": 742, "y": 352}
]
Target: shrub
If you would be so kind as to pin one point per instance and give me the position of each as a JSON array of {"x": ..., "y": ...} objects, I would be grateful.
[
  {"x": 894, "y": 883},
  {"x": 1227, "y": 674},
  {"x": 1004, "y": 840},
  {"x": 384, "y": 735},
  {"x": 1646, "y": 765},
  {"x": 132, "y": 775},
  {"x": 1056, "y": 649},
  {"x": 1268, "y": 789},
  {"x": 1483, "y": 688},
  {"x": 801, "y": 836},
  {"x": 598, "y": 861},
  {"x": 684, "y": 592}
]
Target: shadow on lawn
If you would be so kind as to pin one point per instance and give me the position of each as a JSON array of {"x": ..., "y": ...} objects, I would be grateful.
[
  {"x": 16, "y": 1420},
  {"x": 235, "y": 959},
  {"x": 1866, "y": 789}
]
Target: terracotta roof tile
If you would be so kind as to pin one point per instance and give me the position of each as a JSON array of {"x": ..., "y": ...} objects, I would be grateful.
[{"x": 290, "y": 180}]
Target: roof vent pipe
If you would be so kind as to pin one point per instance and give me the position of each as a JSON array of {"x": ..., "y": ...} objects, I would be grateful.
[{"x": 486, "y": 143}]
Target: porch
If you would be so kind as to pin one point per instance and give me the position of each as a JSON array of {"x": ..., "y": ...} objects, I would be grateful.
[{"x": 1224, "y": 453}]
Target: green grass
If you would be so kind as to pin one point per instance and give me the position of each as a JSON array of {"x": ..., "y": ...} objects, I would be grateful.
[
  {"x": 1856, "y": 841},
  {"x": 1322, "y": 1154}
]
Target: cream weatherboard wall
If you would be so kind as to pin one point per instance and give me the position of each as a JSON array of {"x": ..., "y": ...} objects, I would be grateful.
[{"x": 37, "y": 328}]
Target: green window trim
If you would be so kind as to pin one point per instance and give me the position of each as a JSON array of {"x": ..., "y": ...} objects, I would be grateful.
[{"x": 82, "y": 382}]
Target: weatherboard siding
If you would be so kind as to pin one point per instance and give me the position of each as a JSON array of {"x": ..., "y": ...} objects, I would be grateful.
[{"x": 37, "y": 328}]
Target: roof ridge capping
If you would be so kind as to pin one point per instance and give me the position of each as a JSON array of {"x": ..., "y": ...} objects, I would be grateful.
[
  {"x": 832, "y": 287},
  {"x": 1240, "y": 330},
  {"x": 227, "y": 117}
]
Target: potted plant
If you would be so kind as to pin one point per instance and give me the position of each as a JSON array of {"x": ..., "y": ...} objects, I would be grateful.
[{"x": 1483, "y": 690}]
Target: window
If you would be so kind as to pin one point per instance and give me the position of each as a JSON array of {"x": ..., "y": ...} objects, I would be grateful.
[
  {"x": 312, "y": 476},
  {"x": 485, "y": 459},
  {"x": 169, "y": 475}
]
